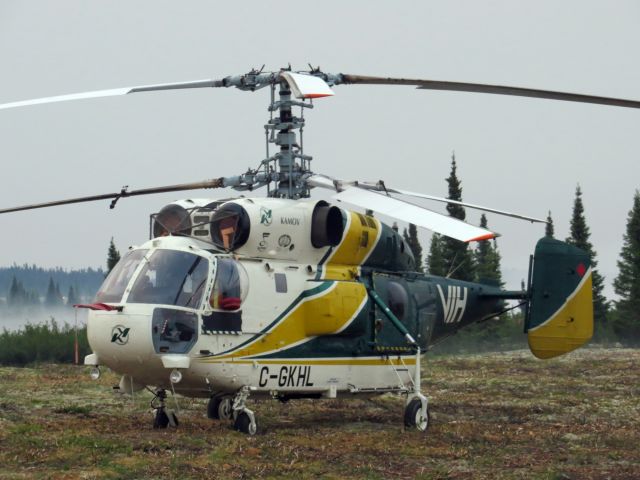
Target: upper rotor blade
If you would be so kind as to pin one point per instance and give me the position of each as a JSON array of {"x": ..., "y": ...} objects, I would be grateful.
[
  {"x": 486, "y": 88},
  {"x": 214, "y": 183},
  {"x": 393, "y": 207},
  {"x": 115, "y": 92}
]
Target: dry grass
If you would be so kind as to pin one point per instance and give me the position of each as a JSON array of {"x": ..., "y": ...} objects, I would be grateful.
[{"x": 493, "y": 416}]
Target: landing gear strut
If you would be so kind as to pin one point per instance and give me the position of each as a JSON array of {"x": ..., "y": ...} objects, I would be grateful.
[
  {"x": 163, "y": 417},
  {"x": 245, "y": 420}
]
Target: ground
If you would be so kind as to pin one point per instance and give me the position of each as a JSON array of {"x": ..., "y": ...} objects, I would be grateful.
[{"x": 495, "y": 416}]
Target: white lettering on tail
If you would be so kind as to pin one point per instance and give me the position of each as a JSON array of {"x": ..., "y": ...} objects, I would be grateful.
[{"x": 454, "y": 304}]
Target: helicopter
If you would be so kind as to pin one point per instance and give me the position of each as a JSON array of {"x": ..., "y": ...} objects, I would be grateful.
[{"x": 286, "y": 297}]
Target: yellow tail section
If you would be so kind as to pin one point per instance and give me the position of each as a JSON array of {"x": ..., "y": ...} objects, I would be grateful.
[
  {"x": 560, "y": 317},
  {"x": 569, "y": 328}
]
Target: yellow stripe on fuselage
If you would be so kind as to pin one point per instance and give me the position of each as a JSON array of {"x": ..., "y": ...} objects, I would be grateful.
[
  {"x": 570, "y": 327},
  {"x": 328, "y": 312},
  {"x": 357, "y": 244},
  {"x": 378, "y": 361}
]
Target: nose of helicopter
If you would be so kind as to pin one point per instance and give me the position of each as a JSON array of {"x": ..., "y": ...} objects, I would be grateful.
[{"x": 122, "y": 340}]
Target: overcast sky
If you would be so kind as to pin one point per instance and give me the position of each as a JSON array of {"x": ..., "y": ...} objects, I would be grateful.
[{"x": 522, "y": 155}]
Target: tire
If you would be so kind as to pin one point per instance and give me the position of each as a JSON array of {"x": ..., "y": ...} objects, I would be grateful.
[
  {"x": 225, "y": 408},
  {"x": 212, "y": 408},
  {"x": 243, "y": 424},
  {"x": 174, "y": 417},
  {"x": 161, "y": 420},
  {"x": 413, "y": 416},
  {"x": 220, "y": 408}
]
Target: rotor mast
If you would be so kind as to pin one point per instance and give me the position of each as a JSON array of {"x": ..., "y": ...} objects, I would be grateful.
[{"x": 288, "y": 172}]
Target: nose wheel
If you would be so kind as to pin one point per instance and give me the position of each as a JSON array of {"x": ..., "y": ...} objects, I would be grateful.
[{"x": 163, "y": 417}]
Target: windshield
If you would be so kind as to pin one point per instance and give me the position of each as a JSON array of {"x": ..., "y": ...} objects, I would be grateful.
[
  {"x": 171, "y": 277},
  {"x": 116, "y": 282}
]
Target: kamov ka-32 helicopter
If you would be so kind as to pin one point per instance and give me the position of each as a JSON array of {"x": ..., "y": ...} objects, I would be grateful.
[{"x": 288, "y": 298}]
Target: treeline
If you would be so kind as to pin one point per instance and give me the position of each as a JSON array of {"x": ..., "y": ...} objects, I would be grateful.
[
  {"x": 30, "y": 285},
  {"x": 615, "y": 321},
  {"x": 42, "y": 343}
]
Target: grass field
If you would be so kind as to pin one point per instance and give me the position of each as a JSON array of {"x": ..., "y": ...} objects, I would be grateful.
[{"x": 493, "y": 416}]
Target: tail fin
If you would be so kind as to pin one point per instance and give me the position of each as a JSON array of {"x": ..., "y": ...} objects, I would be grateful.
[{"x": 560, "y": 314}]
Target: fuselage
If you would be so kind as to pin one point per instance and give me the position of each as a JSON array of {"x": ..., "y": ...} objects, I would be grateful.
[{"x": 278, "y": 313}]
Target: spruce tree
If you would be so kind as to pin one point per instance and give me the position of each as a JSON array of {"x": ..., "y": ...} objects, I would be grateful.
[
  {"x": 71, "y": 296},
  {"x": 52, "y": 298},
  {"x": 113, "y": 256},
  {"x": 487, "y": 259},
  {"x": 548, "y": 229},
  {"x": 411, "y": 239},
  {"x": 579, "y": 237},
  {"x": 435, "y": 259},
  {"x": 627, "y": 283},
  {"x": 458, "y": 258}
]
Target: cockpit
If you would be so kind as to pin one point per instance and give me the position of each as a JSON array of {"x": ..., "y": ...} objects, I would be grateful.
[
  {"x": 187, "y": 293},
  {"x": 165, "y": 277}
]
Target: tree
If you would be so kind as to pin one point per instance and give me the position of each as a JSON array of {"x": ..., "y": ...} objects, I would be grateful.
[
  {"x": 17, "y": 293},
  {"x": 627, "y": 283},
  {"x": 458, "y": 258},
  {"x": 113, "y": 256},
  {"x": 435, "y": 259},
  {"x": 411, "y": 239},
  {"x": 548, "y": 229},
  {"x": 52, "y": 298},
  {"x": 579, "y": 237},
  {"x": 487, "y": 259},
  {"x": 72, "y": 299}
]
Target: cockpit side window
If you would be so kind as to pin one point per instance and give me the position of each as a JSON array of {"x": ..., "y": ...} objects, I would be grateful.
[
  {"x": 230, "y": 287},
  {"x": 171, "y": 277},
  {"x": 116, "y": 282}
]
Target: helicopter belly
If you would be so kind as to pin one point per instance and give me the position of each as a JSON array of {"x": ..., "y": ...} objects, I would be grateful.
[{"x": 325, "y": 376}]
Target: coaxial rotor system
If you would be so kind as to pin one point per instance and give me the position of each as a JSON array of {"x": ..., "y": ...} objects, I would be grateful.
[{"x": 287, "y": 173}]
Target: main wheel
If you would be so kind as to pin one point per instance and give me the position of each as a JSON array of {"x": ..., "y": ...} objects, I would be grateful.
[
  {"x": 243, "y": 424},
  {"x": 220, "y": 408},
  {"x": 161, "y": 420},
  {"x": 413, "y": 417}
]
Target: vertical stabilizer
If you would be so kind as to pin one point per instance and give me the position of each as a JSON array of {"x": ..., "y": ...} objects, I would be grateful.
[{"x": 560, "y": 316}]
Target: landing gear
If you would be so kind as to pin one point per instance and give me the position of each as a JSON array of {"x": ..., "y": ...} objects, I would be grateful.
[
  {"x": 245, "y": 420},
  {"x": 163, "y": 417},
  {"x": 220, "y": 408},
  {"x": 245, "y": 424},
  {"x": 416, "y": 413}
]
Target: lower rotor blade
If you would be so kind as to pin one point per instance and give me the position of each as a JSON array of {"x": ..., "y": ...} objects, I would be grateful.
[
  {"x": 393, "y": 207},
  {"x": 324, "y": 181},
  {"x": 494, "y": 89},
  {"x": 114, "y": 92},
  {"x": 455, "y": 202},
  {"x": 214, "y": 183}
]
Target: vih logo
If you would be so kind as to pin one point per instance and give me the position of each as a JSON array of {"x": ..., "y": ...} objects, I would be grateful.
[{"x": 454, "y": 304}]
